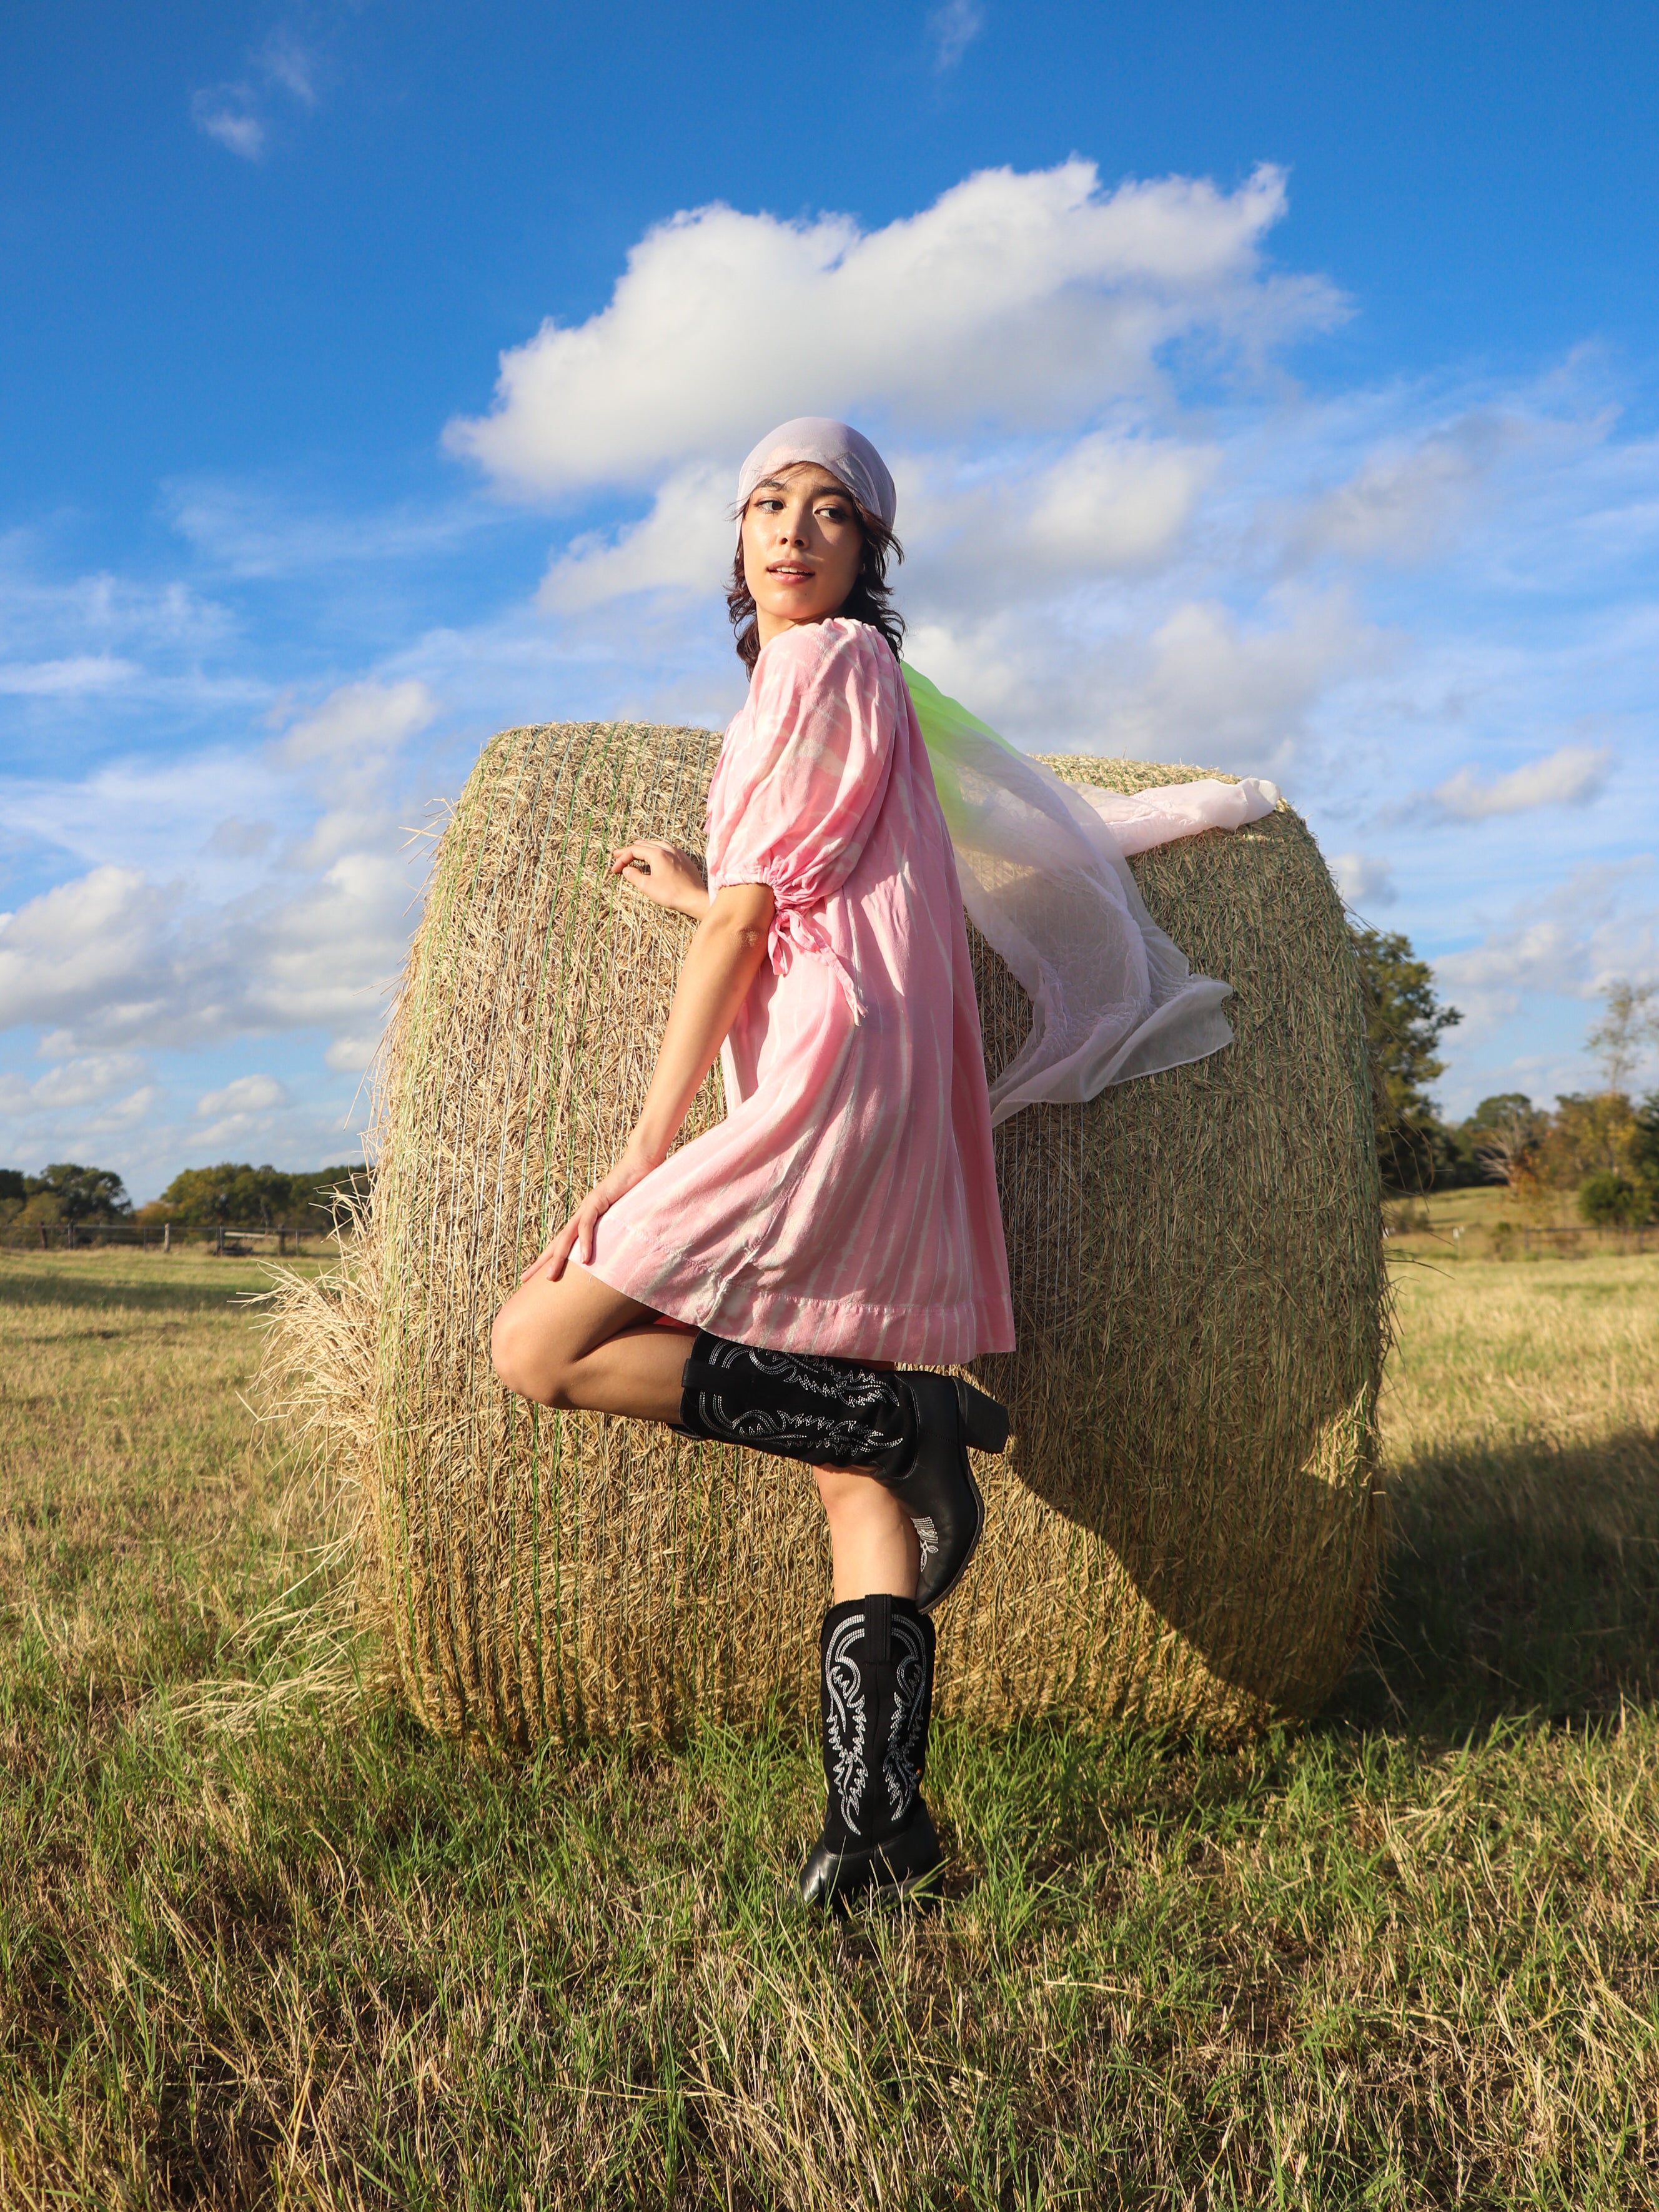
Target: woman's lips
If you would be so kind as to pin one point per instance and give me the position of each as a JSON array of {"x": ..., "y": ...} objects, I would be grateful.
[{"x": 792, "y": 575}]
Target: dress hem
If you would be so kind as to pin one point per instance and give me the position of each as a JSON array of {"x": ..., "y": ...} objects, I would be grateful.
[{"x": 777, "y": 1320}]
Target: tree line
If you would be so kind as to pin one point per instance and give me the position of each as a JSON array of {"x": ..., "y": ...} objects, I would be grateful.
[
  {"x": 1601, "y": 1145},
  {"x": 234, "y": 1193}
]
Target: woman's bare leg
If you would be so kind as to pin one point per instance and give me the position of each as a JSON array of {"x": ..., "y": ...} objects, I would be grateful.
[
  {"x": 579, "y": 1343},
  {"x": 872, "y": 1542}
]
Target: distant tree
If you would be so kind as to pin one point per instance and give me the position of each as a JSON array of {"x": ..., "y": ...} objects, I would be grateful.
[
  {"x": 238, "y": 1194},
  {"x": 1645, "y": 1150},
  {"x": 1614, "y": 1201},
  {"x": 1588, "y": 1135},
  {"x": 1404, "y": 1023},
  {"x": 12, "y": 1185},
  {"x": 1625, "y": 1031},
  {"x": 1507, "y": 1132},
  {"x": 233, "y": 1191},
  {"x": 67, "y": 1192}
]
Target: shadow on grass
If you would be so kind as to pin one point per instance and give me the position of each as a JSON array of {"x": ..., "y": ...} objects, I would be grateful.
[{"x": 1522, "y": 1581}]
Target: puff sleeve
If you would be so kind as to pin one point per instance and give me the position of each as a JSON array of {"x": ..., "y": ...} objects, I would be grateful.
[{"x": 798, "y": 790}]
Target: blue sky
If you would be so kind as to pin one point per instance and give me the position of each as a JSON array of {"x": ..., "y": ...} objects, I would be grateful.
[{"x": 1273, "y": 390}]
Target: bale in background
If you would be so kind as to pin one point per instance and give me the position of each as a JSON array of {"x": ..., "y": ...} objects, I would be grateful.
[{"x": 1185, "y": 1527}]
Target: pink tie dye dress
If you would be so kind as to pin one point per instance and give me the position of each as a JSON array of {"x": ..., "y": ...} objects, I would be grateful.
[{"x": 847, "y": 1203}]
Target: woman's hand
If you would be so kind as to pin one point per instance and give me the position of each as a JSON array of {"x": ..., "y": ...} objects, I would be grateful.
[
  {"x": 723, "y": 958},
  {"x": 663, "y": 874},
  {"x": 577, "y": 1234}
]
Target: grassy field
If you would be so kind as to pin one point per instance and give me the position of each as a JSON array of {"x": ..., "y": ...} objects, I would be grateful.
[
  {"x": 1408, "y": 1957},
  {"x": 1485, "y": 1223}
]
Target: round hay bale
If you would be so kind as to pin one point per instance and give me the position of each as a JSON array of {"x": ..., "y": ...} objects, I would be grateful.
[{"x": 1185, "y": 1525}]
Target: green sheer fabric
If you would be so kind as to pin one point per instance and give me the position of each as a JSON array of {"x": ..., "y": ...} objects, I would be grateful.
[{"x": 1046, "y": 883}]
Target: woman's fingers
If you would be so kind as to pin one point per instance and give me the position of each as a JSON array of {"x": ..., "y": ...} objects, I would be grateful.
[
  {"x": 578, "y": 1234},
  {"x": 540, "y": 1260},
  {"x": 558, "y": 1252},
  {"x": 587, "y": 1221}
]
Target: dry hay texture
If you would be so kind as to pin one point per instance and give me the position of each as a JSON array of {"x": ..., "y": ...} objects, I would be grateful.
[{"x": 1185, "y": 1527}]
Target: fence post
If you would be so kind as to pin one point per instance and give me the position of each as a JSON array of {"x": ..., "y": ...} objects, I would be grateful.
[
  {"x": 166, "y": 1237},
  {"x": 220, "y": 1247}
]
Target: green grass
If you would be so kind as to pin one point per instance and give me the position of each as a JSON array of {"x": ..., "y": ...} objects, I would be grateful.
[
  {"x": 1407, "y": 1957},
  {"x": 1486, "y": 1223}
]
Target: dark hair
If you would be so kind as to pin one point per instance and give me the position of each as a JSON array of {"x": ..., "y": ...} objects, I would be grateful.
[{"x": 869, "y": 600}]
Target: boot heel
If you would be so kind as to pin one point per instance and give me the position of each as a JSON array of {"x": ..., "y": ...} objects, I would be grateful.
[{"x": 984, "y": 1422}]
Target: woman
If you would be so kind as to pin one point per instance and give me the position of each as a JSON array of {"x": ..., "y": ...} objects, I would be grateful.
[{"x": 843, "y": 1219}]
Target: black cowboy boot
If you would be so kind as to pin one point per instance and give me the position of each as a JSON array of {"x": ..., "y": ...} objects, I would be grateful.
[
  {"x": 909, "y": 1428},
  {"x": 799, "y": 1404},
  {"x": 876, "y": 1688},
  {"x": 936, "y": 1485}
]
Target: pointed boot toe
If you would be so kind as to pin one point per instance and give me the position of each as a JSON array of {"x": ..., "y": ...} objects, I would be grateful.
[{"x": 903, "y": 1869}]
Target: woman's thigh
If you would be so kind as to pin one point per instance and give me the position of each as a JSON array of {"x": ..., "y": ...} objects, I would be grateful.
[{"x": 545, "y": 1328}]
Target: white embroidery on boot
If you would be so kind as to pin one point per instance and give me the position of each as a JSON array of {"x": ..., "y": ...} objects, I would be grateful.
[
  {"x": 900, "y": 1760},
  {"x": 926, "y": 1536},
  {"x": 846, "y": 1722}
]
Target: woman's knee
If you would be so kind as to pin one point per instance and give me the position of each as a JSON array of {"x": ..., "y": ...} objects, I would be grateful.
[{"x": 523, "y": 1358}]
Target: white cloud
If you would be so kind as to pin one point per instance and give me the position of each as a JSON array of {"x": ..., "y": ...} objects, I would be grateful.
[
  {"x": 247, "y": 1094},
  {"x": 56, "y": 636},
  {"x": 285, "y": 62},
  {"x": 1364, "y": 879},
  {"x": 351, "y": 1055},
  {"x": 256, "y": 532},
  {"x": 237, "y": 840},
  {"x": 74, "y": 1082},
  {"x": 1114, "y": 503},
  {"x": 225, "y": 113},
  {"x": 953, "y": 28},
  {"x": 349, "y": 747},
  {"x": 1574, "y": 940},
  {"x": 237, "y": 115},
  {"x": 326, "y": 960},
  {"x": 112, "y": 960},
  {"x": 1228, "y": 694},
  {"x": 83, "y": 671},
  {"x": 1406, "y": 504},
  {"x": 85, "y": 943},
  {"x": 684, "y": 544},
  {"x": 358, "y": 723},
  {"x": 1027, "y": 300},
  {"x": 1569, "y": 776}
]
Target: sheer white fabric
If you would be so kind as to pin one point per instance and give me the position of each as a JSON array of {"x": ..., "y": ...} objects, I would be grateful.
[
  {"x": 1046, "y": 881},
  {"x": 1145, "y": 818}
]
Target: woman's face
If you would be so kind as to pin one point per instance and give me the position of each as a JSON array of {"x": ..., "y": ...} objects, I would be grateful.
[{"x": 802, "y": 543}]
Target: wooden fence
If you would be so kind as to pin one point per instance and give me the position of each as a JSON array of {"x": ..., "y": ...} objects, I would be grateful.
[{"x": 229, "y": 1238}]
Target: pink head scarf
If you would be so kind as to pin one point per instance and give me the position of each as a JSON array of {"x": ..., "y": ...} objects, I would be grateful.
[{"x": 846, "y": 453}]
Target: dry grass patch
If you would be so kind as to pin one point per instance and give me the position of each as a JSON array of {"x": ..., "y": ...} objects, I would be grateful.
[{"x": 1406, "y": 1957}]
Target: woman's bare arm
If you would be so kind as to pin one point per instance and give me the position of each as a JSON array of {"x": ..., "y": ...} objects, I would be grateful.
[
  {"x": 664, "y": 875},
  {"x": 721, "y": 963}
]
